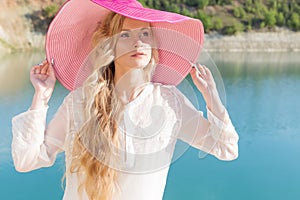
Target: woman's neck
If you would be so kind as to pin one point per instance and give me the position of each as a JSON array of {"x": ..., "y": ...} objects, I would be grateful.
[{"x": 129, "y": 84}]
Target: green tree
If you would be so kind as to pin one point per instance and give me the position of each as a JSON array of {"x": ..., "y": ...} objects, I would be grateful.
[
  {"x": 234, "y": 28},
  {"x": 239, "y": 12},
  {"x": 294, "y": 21},
  {"x": 230, "y": 30},
  {"x": 51, "y": 10},
  {"x": 236, "y": 12},
  {"x": 285, "y": 8},
  {"x": 206, "y": 20},
  {"x": 149, "y": 3},
  {"x": 262, "y": 25},
  {"x": 156, "y": 4},
  {"x": 165, "y": 4},
  {"x": 218, "y": 24},
  {"x": 260, "y": 9},
  {"x": 248, "y": 27},
  {"x": 174, "y": 8},
  {"x": 249, "y": 5},
  {"x": 270, "y": 18},
  {"x": 273, "y": 4},
  {"x": 203, "y": 3},
  {"x": 280, "y": 20},
  {"x": 143, "y": 3},
  {"x": 186, "y": 12},
  {"x": 294, "y": 7}
]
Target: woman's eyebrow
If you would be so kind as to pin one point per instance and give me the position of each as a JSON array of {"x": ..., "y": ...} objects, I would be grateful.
[{"x": 146, "y": 28}]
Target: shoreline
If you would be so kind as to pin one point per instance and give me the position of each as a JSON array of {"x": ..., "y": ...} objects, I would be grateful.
[{"x": 279, "y": 41}]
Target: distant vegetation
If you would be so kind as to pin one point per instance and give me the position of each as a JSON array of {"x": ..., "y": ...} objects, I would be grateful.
[
  {"x": 229, "y": 17},
  {"x": 41, "y": 18},
  {"x": 51, "y": 10}
]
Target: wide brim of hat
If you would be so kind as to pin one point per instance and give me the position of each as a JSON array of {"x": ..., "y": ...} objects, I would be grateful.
[{"x": 68, "y": 40}]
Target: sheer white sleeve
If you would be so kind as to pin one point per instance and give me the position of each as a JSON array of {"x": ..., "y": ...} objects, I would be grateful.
[
  {"x": 214, "y": 136},
  {"x": 34, "y": 145}
]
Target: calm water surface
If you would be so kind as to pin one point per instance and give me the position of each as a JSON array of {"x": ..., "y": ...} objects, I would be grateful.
[{"x": 263, "y": 93}]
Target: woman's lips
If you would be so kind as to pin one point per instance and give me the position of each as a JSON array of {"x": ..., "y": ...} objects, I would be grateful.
[{"x": 138, "y": 54}]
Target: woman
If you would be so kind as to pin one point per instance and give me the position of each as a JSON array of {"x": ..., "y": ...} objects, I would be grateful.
[{"x": 110, "y": 128}]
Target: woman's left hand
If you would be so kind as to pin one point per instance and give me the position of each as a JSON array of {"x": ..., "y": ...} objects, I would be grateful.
[
  {"x": 203, "y": 80},
  {"x": 206, "y": 84}
]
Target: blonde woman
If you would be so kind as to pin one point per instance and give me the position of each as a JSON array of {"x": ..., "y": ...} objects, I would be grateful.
[{"x": 119, "y": 129}]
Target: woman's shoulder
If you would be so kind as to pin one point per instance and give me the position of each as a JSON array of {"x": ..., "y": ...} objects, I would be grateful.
[
  {"x": 73, "y": 99},
  {"x": 75, "y": 95}
]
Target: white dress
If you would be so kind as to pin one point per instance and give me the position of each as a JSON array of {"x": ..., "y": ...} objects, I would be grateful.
[{"x": 149, "y": 149}]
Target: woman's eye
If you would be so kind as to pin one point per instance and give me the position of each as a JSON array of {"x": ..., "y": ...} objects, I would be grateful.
[
  {"x": 146, "y": 34},
  {"x": 124, "y": 35}
]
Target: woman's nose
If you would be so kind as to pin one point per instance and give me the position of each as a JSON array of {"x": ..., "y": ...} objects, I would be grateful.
[{"x": 138, "y": 43}]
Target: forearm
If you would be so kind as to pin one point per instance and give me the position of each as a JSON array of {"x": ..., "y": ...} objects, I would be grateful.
[
  {"x": 215, "y": 135},
  {"x": 31, "y": 157},
  {"x": 28, "y": 148},
  {"x": 205, "y": 83},
  {"x": 215, "y": 105},
  {"x": 221, "y": 139},
  {"x": 39, "y": 101}
]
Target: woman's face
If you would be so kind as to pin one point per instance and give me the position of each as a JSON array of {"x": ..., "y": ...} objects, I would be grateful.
[{"x": 133, "y": 48}]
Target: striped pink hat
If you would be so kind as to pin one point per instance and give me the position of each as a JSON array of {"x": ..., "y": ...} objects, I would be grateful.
[{"x": 68, "y": 40}]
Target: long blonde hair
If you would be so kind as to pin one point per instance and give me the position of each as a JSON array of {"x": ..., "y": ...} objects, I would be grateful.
[{"x": 99, "y": 133}]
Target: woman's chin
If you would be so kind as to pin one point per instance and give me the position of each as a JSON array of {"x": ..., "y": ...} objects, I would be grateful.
[{"x": 139, "y": 65}]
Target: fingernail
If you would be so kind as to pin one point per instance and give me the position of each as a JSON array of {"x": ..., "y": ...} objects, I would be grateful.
[{"x": 52, "y": 62}]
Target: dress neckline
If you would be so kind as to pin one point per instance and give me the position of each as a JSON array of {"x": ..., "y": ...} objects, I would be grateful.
[{"x": 148, "y": 87}]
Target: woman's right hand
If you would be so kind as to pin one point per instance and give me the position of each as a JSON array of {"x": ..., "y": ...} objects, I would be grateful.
[{"x": 43, "y": 79}]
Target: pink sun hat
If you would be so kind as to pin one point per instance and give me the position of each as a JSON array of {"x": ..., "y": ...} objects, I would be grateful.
[{"x": 68, "y": 40}]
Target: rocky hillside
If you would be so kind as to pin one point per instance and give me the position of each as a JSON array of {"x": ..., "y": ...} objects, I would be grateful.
[{"x": 24, "y": 22}]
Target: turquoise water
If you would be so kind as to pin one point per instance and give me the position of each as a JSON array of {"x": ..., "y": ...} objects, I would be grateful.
[{"x": 263, "y": 93}]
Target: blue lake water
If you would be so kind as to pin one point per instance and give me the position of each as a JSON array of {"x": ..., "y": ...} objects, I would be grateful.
[{"x": 263, "y": 99}]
